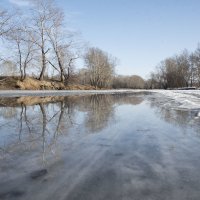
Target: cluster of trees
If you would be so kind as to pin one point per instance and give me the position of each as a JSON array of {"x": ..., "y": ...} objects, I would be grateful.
[
  {"x": 99, "y": 68},
  {"x": 182, "y": 70},
  {"x": 38, "y": 40},
  {"x": 132, "y": 82},
  {"x": 100, "y": 72},
  {"x": 39, "y": 44}
]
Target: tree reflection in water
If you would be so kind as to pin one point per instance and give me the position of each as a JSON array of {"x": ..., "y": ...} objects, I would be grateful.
[
  {"x": 29, "y": 123},
  {"x": 38, "y": 122}
]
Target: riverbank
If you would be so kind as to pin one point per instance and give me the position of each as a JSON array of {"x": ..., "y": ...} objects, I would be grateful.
[
  {"x": 43, "y": 93},
  {"x": 14, "y": 83}
]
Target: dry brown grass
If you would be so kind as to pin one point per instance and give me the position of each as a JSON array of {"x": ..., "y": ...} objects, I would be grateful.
[
  {"x": 34, "y": 84},
  {"x": 8, "y": 83},
  {"x": 14, "y": 83},
  {"x": 79, "y": 87}
]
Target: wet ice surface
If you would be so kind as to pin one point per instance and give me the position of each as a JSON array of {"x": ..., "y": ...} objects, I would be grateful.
[
  {"x": 180, "y": 99},
  {"x": 119, "y": 146}
]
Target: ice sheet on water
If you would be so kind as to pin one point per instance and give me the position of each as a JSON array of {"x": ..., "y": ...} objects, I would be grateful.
[{"x": 181, "y": 99}]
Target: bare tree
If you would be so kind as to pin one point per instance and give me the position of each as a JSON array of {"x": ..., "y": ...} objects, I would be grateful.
[
  {"x": 6, "y": 25},
  {"x": 136, "y": 82},
  {"x": 178, "y": 71},
  {"x": 183, "y": 67},
  {"x": 61, "y": 41},
  {"x": 55, "y": 36},
  {"x": 193, "y": 71},
  {"x": 196, "y": 62},
  {"x": 8, "y": 68},
  {"x": 83, "y": 76},
  {"x": 5, "y": 22},
  {"x": 52, "y": 39},
  {"x": 133, "y": 82},
  {"x": 21, "y": 39},
  {"x": 42, "y": 21},
  {"x": 100, "y": 67}
]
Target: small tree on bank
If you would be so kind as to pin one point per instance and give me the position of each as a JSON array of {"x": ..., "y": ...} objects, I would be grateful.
[{"x": 100, "y": 66}]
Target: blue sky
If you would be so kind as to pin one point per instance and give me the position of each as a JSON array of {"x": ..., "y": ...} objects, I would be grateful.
[{"x": 140, "y": 33}]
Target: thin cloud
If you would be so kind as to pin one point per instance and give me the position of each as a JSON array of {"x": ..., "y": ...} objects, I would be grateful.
[{"x": 20, "y": 2}]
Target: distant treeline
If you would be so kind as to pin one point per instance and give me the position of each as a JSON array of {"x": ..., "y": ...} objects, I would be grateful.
[{"x": 182, "y": 70}]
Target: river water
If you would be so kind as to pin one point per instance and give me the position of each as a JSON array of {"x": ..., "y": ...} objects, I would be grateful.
[{"x": 98, "y": 147}]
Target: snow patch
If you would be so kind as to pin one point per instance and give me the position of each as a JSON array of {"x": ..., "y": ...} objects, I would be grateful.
[{"x": 182, "y": 99}]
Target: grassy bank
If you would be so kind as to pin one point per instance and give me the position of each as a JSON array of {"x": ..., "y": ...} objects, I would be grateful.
[{"x": 14, "y": 83}]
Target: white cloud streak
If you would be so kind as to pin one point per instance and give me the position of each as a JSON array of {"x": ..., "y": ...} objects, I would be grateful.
[{"x": 20, "y": 2}]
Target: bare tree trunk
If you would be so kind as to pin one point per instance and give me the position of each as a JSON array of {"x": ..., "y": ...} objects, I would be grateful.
[
  {"x": 43, "y": 57},
  {"x": 20, "y": 60},
  {"x": 43, "y": 67},
  {"x": 62, "y": 78}
]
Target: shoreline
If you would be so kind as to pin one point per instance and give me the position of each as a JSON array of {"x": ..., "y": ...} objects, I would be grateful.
[
  {"x": 176, "y": 99},
  {"x": 18, "y": 93}
]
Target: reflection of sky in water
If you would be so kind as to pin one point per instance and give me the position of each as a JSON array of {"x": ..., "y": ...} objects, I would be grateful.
[
  {"x": 87, "y": 114},
  {"x": 133, "y": 135},
  {"x": 46, "y": 122}
]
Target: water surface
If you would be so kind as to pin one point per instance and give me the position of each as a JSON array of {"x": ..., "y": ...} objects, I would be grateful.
[{"x": 119, "y": 146}]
